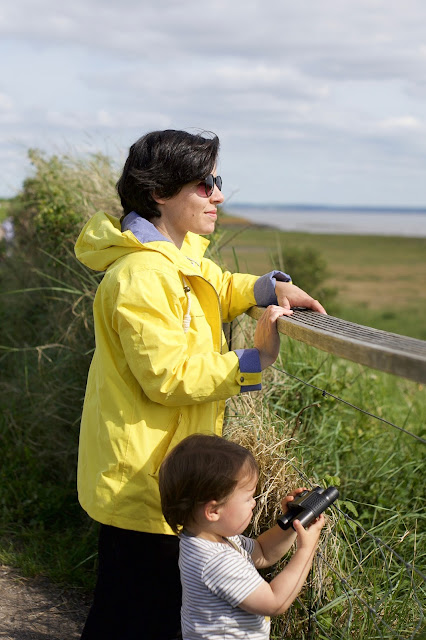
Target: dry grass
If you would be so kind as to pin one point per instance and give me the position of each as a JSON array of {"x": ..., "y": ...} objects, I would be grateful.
[{"x": 374, "y": 288}]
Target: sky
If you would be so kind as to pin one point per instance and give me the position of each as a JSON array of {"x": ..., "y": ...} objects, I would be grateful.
[{"x": 314, "y": 101}]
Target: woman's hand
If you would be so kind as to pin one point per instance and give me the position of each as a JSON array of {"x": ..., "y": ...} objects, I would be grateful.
[
  {"x": 266, "y": 337},
  {"x": 288, "y": 295}
]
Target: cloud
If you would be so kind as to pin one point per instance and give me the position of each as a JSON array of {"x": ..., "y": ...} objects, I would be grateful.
[
  {"x": 6, "y": 102},
  {"x": 402, "y": 123},
  {"x": 333, "y": 86},
  {"x": 8, "y": 113}
]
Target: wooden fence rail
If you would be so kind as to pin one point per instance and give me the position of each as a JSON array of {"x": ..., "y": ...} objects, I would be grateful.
[{"x": 390, "y": 352}]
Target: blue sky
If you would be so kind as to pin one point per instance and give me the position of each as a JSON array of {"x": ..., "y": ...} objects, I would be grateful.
[{"x": 315, "y": 101}]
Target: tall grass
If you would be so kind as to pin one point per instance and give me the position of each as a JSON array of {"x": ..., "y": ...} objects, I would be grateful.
[{"x": 298, "y": 435}]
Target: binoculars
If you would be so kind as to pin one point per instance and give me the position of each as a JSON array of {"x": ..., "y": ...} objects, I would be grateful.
[{"x": 307, "y": 506}]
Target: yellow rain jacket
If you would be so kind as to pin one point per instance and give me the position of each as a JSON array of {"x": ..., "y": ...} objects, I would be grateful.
[{"x": 151, "y": 382}]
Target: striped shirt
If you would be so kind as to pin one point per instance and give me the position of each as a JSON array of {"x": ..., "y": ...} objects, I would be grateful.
[{"x": 215, "y": 579}]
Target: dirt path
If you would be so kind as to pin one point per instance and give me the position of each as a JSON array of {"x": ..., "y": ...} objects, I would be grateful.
[{"x": 34, "y": 609}]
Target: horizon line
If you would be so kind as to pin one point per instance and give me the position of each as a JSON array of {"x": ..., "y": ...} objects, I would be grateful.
[{"x": 321, "y": 206}]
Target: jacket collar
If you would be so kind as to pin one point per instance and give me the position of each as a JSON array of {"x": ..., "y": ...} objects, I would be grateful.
[
  {"x": 193, "y": 247},
  {"x": 141, "y": 228},
  {"x": 101, "y": 242}
]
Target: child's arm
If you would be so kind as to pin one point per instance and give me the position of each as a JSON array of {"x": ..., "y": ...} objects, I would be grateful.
[
  {"x": 277, "y": 596},
  {"x": 273, "y": 544}
]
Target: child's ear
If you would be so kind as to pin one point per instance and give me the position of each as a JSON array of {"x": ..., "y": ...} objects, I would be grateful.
[{"x": 212, "y": 511}]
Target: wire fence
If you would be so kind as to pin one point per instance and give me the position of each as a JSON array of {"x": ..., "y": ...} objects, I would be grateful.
[{"x": 325, "y": 393}]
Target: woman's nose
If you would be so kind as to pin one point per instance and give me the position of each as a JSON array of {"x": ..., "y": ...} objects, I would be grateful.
[{"x": 217, "y": 195}]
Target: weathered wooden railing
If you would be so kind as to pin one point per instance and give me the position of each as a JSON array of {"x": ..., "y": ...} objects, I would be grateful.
[{"x": 390, "y": 352}]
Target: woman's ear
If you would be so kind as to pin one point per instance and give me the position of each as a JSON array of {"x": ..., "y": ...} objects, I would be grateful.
[
  {"x": 212, "y": 511},
  {"x": 157, "y": 198}
]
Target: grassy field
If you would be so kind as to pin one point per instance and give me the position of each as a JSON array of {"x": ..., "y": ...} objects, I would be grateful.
[{"x": 380, "y": 280}]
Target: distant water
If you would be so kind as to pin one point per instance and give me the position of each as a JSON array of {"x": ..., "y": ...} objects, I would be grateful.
[{"x": 334, "y": 220}]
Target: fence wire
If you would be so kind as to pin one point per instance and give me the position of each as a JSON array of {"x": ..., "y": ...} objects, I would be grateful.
[{"x": 326, "y": 393}]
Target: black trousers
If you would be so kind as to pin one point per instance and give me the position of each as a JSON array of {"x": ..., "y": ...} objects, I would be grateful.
[{"x": 138, "y": 592}]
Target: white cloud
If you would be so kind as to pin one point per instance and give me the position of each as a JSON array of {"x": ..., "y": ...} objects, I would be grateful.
[
  {"x": 401, "y": 123},
  {"x": 6, "y": 102},
  {"x": 8, "y": 114}
]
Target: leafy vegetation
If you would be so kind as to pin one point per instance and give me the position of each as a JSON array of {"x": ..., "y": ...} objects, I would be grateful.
[
  {"x": 47, "y": 341},
  {"x": 297, "y": 433}
]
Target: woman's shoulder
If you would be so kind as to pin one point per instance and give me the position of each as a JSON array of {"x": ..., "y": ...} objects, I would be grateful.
[{"x": 145, "y": 260}]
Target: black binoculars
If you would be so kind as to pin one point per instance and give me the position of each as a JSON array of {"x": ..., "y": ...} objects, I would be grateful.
[{"x": 307, "y": 506}]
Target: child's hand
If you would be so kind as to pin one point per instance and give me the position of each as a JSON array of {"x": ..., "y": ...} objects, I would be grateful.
[
  {"x": 308, "y": 538},
  {"x": 290, "y": 497}
]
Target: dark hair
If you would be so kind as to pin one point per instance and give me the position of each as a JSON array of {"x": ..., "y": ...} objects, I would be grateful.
[
  {"x": 161, "y": 163},
  {"x": 199, "y": 469}
]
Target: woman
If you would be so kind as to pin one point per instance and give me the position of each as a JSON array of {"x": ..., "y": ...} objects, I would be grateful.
[{"x": 161, "y": 369}]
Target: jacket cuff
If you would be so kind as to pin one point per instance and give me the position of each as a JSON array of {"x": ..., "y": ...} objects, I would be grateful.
[
  {"x": 250, "y": 371},
  {"x": 264, "y": 287}
]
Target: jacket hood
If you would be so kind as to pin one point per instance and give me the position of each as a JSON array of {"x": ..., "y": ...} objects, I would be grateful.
[{"x": 103, "y": 240}]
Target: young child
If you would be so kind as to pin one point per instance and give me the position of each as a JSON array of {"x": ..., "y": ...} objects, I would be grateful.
[{"x": 207, "y": 486}]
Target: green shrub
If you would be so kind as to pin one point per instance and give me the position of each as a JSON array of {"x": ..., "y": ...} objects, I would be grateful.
[
  {"x": 46, "y": 347},
  {"x": 61, "y": 195},
  {"x": 308, "y": 269}
]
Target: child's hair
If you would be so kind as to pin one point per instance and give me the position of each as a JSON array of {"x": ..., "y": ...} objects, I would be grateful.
[{"x": 199, "y": 469}]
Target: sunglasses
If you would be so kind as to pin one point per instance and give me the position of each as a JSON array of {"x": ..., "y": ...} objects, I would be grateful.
[{"x": 206, "y": 186}]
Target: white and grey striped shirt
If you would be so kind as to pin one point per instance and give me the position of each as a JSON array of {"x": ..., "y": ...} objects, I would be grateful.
[{"x": 215, "y": 579}]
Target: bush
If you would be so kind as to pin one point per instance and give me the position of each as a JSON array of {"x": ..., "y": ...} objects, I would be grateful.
[
  {"x": 62, "y": 194},
  {"x": 308, "y": 270},
  {"x": 47, "y": 343}
]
